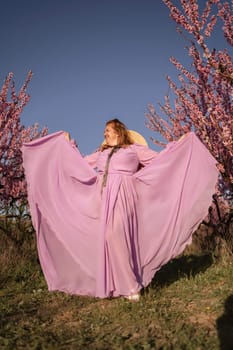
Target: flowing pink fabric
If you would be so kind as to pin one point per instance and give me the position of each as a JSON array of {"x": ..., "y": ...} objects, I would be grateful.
[{"x": 110, "y": 241}]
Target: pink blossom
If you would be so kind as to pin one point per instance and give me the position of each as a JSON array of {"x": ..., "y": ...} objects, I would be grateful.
[
  {"x": 202, "y": 100},
  {"x": 12, "y": 134}
]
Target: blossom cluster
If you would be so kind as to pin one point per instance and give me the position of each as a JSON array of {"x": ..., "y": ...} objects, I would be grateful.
[
  {"x": 12, "y": 135},
  {"x": 202, "y": 97}
]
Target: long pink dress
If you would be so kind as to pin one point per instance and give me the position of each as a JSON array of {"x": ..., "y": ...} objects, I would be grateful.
[{"x": 110, "y": 240}]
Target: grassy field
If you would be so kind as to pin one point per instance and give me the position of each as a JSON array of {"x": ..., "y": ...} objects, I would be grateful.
[{"x": 189, "y": 305}]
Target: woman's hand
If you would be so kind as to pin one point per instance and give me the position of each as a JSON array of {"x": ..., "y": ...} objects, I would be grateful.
[
  {"x": 183, "y": 136},
  {"x": 67, "y": 135}
]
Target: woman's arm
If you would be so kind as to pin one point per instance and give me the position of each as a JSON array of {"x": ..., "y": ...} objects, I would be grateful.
[
  {"x": 92, "y": 159},
  {"x": 145, "y": 154}
]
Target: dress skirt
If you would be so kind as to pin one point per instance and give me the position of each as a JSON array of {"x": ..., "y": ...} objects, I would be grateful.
[{"x": 109, "y": 239}]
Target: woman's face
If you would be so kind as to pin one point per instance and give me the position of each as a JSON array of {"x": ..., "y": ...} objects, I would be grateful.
[{"x": 110, "y": 135}]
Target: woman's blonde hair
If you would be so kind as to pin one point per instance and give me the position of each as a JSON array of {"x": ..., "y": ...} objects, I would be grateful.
[{"x": 120, "y": 128}]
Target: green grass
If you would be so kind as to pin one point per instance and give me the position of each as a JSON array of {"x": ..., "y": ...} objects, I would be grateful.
[{"x": 189, "y": 305}]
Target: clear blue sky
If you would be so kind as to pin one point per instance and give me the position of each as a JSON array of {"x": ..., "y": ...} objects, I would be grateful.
[{"x": 92, "y": 60}]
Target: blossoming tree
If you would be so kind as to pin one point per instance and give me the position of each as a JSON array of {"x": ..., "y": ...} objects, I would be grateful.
[
  {"x": 13, "y": 193},
  {"x": 203, "y": 95}
]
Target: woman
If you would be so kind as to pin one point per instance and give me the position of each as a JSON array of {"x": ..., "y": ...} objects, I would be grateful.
[{"x": 107, "y": 222}]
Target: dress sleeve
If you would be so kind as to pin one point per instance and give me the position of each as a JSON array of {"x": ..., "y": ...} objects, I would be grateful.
[
  {"x": 92, "y": 159},
  {"x": 145, "y": 154}
]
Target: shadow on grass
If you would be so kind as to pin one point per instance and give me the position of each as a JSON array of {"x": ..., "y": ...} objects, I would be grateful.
[
  {"x": 184, "y": 266},
  {"x": 225, "y": 325}
]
